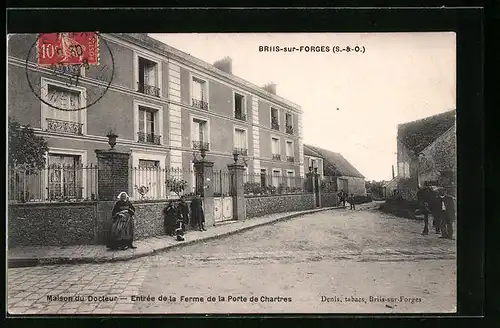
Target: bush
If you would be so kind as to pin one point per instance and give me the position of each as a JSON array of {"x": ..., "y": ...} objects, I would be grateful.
[
  {"x": 400, "y": 207},
  {"x": 252, "y": 188}
]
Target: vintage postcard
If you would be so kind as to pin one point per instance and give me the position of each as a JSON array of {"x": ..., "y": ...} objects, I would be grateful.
[{"x": 231, "y": 173}]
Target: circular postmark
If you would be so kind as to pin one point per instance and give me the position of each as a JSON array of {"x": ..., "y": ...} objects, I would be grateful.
[{"x": 69, "y": 71}]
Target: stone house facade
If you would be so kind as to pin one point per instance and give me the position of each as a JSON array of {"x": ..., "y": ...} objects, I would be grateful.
[
  {"x": 164, "y": 106},
  {"x": 426, "y": 153},
  {"x": 335, "y": 169}
]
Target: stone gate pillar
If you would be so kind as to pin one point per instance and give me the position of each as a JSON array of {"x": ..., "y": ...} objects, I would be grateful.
[
  {"x": 236, "y": 172},
  {"x": 204, "y": 186},
  {"x": 113, "y": 176}
]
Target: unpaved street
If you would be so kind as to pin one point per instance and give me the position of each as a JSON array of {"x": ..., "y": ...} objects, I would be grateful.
[{"x": 332, "y": 261}]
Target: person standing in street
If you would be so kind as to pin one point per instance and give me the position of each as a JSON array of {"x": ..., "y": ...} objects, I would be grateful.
[
  {"x": 446, "y": 214},
  {"x": 197, "y": 215},
  {"x": 351, "y": 202},
  {"x": 184, "y": 213},
  {"x": 423, "y": 202},
  {"x": 122, "y": 225},
  {"x": 170, "y": 215}
]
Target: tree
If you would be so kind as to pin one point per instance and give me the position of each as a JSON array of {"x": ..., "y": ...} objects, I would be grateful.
[
  {"x": 175, "y": 185},
  {"x": 25, "y": 148}
]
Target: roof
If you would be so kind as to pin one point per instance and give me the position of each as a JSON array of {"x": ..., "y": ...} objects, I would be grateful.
[
  {"x": 417, "y": 135},
  {"x": 334, "y": 164},
  {"x": 144, "y": 40}
]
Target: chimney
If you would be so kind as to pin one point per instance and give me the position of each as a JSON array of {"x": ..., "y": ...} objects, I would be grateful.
[
  {"x": 270, "y": 87},
  {"x": 225, "y": 64},
  {"x": 393, "y": 172}
]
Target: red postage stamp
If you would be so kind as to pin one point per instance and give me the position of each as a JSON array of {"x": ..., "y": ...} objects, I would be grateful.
[{"x": 73, "y": 48}]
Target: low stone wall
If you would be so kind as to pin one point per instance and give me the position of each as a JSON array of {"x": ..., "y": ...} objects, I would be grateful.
[
  {"x": 149, "y": 219},
  {"x": 51, "y": 224},
  {"x": 329, "y": 199},
  {"x": 263, "y": 205}
]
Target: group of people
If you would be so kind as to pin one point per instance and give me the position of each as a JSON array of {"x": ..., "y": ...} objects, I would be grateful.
[
  {"x": 344, "y": 197},
  {"x": 178, "y": 217},
  {"x": 441, "y": 206}
]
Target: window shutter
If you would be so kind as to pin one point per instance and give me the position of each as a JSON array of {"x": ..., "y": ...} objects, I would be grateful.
[{"x": 195, "y": 129}]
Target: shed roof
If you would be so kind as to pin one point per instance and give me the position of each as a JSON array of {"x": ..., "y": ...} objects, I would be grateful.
[{"x": 334, "y": 164}]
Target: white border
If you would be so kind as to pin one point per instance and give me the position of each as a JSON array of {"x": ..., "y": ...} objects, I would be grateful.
[
  {"x": 44, "y": 88},
  {"x": 159, "y": 119}
]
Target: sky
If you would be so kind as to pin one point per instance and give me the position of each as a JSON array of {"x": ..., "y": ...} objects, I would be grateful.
[{"x": 352, "y": 102}]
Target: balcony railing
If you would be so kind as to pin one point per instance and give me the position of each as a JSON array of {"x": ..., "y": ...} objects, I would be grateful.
[
  {"x": 240, "y": 116},
  {"x": 277, "y": 157},
  {"x": 200, "y": 145},
  {"x": 200, "y": 104},
  {"x": 149, "y": 89},
  {"x": 289, "y": 129},
  {"x": 290, "y": 159},
  {"x": 148, "y": 138},
  {"x": 241, "y": 151},
  {"x": 275, "y": 125},
  {"x": 64, "y": 126}
]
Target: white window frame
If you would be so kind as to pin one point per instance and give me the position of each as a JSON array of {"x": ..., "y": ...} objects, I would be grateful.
[
  {"x": 289, "y": 113},
  {"x": 44, "y": 89},
  {"x": 234, "y": 136},
  {"x": 290, "y": 177},
  {"x": 159, "y": 74},
  {"x": 205, "y": 80},
  {"x": 150, "y": 156},
  {"x": 191, "y": 121},
  {"x": 65, "y": 151},
  {"x": 244, "y": 109},
  {"x": 280, "y": 176},
  {"x": 287, "y": 141},
  {"x": 271, "y": 117},
  {"x": 158, "y": 119},
  {"x": 279, "y": 145}
]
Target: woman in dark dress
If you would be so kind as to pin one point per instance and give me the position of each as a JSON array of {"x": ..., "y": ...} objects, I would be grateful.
[
  {"x": 184, "y": 213},
  {"x": 122, "y": 227},
  {"x": 170, "y": 215},
  {"x": 197, "y": 215}
]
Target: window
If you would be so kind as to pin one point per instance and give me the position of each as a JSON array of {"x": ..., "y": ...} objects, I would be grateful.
[
  {"x": 148, "y": 77},
  {"x": 240, "y": 142},
  {"x": 404, "y": 169},
  {"x": 239, "y": 107},
  {"x": 289, "y": 123},
  {"x": 199, "y": 93},
  {"x": 276, "y": 177},
  {"x": 245, "y": 175},
  {"x": 290, "y": 181},
  {"x": 289, "y": 152},
  {"x": 263, "y": 180},
  {"x": 275, "y": 121},
  {"x": 66, "y": 117},
  {"x": 65, "y": 179},
  {"x": 275, "y": 148},
  {"x": 147, "y": 177},
  {"x": 147, "y": 126},
  {"x": 199, "y": 134}
]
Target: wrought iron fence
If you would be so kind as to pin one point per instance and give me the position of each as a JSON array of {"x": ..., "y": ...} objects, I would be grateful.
[
  {"x": 149, "y": 89},
  {"x": 150, "y": 181},
  {"x": 289, "y": 129},
  {"x": 240, "y": 116},
  {"x": 199, "y": 104},
  {"x": 222, "y": 183},
  {"x": 200, "y": 145},
  {"x": 240, "y": 151},
  {"x": 275, "y": 184},
  {"x": 64, "y": 126},
  {"x": 148, "y": 138},
  {"x": 277, "y": 157},
  {"x": 56, "y": 183}
]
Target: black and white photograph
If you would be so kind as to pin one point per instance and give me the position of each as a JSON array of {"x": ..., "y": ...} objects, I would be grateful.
[{"x": 250, "y": 173}]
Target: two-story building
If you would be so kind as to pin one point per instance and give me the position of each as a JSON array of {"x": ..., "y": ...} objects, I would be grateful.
[{"x": 165, "y": 106}]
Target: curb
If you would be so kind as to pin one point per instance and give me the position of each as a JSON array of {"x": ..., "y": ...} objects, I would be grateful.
[{"x": 32, "y": 262}]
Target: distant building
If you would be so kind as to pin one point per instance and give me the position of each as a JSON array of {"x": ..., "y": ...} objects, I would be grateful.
[
  {"x": 335, "y": 168},
  {"x": 427, "y": 153}
]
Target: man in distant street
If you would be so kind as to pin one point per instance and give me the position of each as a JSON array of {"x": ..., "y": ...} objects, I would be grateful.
[
  {"x": 446, "y": 214},
  {"x": 351, "y": 202}
]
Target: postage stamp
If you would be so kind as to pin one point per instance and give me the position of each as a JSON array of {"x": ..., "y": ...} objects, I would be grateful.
[
  {"x": 74, "y": 60},
  {"x": 68, "y": 48}
]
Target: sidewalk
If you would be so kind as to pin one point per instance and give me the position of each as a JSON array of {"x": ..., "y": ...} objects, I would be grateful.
[{"x": 48, "y": 255}]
